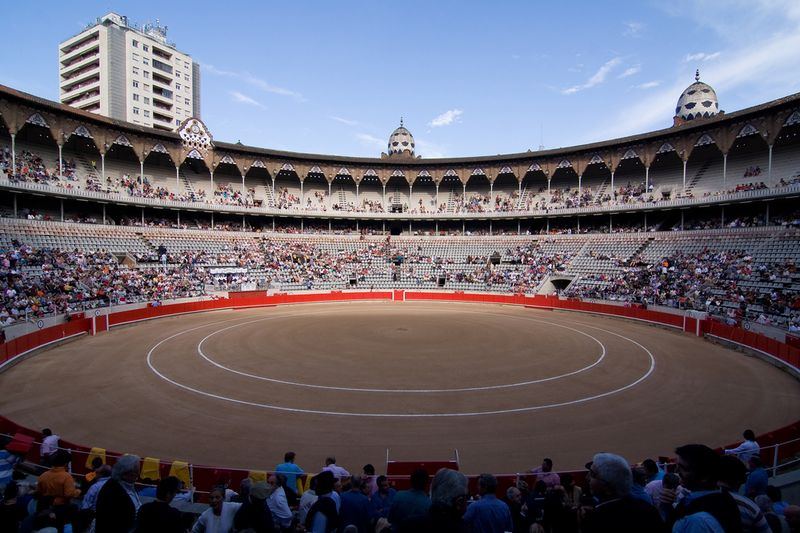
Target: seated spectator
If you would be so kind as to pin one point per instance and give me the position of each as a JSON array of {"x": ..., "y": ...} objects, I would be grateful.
[
  {"x": 488, "y": 513},
  {"x": 449, "y": 495},
  {"x": 58, "y": 484},
  {"x": 705, "y": 506},
  {"x": 159, "y": 516},
  {"x": 757, "y": 479},
  {"x": 731, "y": 476},
  {"x": 218, "y": 518},
  {"x": 411, "y": 502},
  {"x": 254, "y": 514},
  {"x": 278, "y": 504},
  {"x": 323, "y": 516},
  {"x": 382, "y": 499},
  {"x": 355, "y": 509},
  {"x": 610, "y": 481},
  {"x": 118, "y": 502}
]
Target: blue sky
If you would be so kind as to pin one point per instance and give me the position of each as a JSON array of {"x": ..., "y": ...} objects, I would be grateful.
[{"x": 470, "y": 78}]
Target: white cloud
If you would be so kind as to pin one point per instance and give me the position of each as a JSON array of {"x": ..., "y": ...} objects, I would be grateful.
[
  {"x": 248, "y": 78},
  {"x": 633, "y": 29},
  {"x": 701, "y": 56},
  {"x": 446, "y": 118},
  {"x": 429, "y": 149},
  {"x": 343, "y": 120},
  {"x": 769, "y": 68},
  {"x": 630, "y": 71},
  {"x": 648, "y": 84},
  {"x": 371, "y": 141},
  {"x": 244, "y": 99},
  {"x": 598, "y": 77}
]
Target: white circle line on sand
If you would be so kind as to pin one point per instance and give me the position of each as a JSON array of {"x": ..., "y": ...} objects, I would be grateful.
[
  {"x": 404, "y": 415},
  {"x": 405, "y": 391}
]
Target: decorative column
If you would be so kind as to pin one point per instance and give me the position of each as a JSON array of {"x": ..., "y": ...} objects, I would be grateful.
[
  {"x": 724, "y": 168},
  {"x": 13, "y": 154},
  {"x": 769, "y": 164},
  {"x": 141, "y": 175},
  {"x": 60, "y": 161}
]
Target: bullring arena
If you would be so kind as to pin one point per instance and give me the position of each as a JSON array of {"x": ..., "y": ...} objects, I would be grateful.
[{"x": 220, "y": 304}]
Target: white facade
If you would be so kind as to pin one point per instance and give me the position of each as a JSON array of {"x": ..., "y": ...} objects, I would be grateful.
[{"x": 130, "y": 74}]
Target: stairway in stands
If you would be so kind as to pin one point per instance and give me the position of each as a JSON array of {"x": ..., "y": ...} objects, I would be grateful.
[{"x": 697, "y": 176}]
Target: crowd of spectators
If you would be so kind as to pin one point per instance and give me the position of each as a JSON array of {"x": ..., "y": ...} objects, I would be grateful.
[
  {"x": 700, "y": 490},
  {"x": 39, "y": 282}
]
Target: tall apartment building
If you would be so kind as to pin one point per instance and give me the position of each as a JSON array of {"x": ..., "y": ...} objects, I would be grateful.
[{"x": 128, "y": 73}]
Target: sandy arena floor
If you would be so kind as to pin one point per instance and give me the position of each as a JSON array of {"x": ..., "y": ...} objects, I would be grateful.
[{"x": 504, "y": 386}]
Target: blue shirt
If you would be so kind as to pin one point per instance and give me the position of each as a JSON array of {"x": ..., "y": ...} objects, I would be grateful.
[
  {"x": 489, "y": 515},
  {"x": 756, "y": 483},
  {"x": 380, "y": 504},
  {"x": 355, "y": 510},
  {"x": 291, "y": 471}
]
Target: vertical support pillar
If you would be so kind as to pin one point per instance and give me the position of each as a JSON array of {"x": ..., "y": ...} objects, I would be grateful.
[
  {"x": 62, "y": 210},
  {"x": 548, "y": 185},
  {"x": 104, "y": 213},
  {"x": 437, "y": 198},
  {"x": 580, "y": 185},
  {"x": 212, "y": 220},
  {"x": 330, "y": 197},
  {"x": 302, "y": 195},
  {"x": 102, "y": 168},
  {"x": 647, "y": 178},
  {"x": 682, "y": 213},
  {"x": 60, "y": 160},
  {"x": 178, "y": 177},
  {"x": 645, "y": 222},
  {"x": 684, "y": 175},
  {"x": 211, "y": 192},
  {"x": 766, "y": 216},
  {"x": 179, "y": 219},
  {"x": 519, "y": 227},
  {"x": 769, "y": 164},
  {"x": 358, "y": 196},
  {"x": 491, "y": 202},
  {"x": 723, "y": 216},
  {"x": 612, "y": 186},
  {"x": 141, "y": 175},
  {"x": 15, "y": 205},
  {"x": 724, "y": 168},
  {"x": 13, "y": 154},
  {"x": 610, "y": 223},
  {"x": 243, "y": 187},
  {"x": 383, "y": 198},
  {"x": 143, "y": 216},
  {"x": 244, "y": 224}
]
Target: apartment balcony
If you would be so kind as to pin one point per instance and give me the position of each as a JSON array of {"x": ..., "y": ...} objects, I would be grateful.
[
  {"x": 78, "y": 59},
  {"x": 80, "y": 45},
  {"x": 80, "y": 72}
]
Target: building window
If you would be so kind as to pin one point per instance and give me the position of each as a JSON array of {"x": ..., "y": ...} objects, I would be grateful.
[
  {"x": 136, "y": 70},
  {"x": 186, "y": 77},
  {"x": 145, "y": 48},
  {"x": 135, "y": 97},
  {"x": 146, "y": 88},
  {"x": 186, "y": 101},
  {"x": 135, "y": 43},
  {"x": 177, "y": 86},
  {"x": 135, "y": 84},
  {"x": 146, "y": 100},
  {"x": 135, "y": 56},
  {"x": 146, "y": 113},
  {"x": 145, "y": 61},
  {"x": 146, "y": 73},
  {"x": 135, "y": 110}
]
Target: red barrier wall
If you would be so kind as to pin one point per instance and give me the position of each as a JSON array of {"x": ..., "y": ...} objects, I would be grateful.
[{"x": 206, "y": 476}]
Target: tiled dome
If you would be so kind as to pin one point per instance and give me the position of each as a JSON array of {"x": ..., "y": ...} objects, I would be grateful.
[{"x": 698, "y": 101}]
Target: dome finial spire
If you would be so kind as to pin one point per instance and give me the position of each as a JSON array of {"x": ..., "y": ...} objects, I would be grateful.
[
  {"x": 697, "y": 75},
  {"x": 401, "y": 121}
]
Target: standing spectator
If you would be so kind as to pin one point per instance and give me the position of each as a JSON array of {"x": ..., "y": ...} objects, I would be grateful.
[
  {"x": 382, "y": 500},
  {"x": 545, "y": 473},
  {"x": 48, "y": 447},
  {"x": 118, "y": 502},
  {"x": 291, "y": 471},
  {"x": 610, "y": 480},
  {"x": 746, "y": 449},
  {"x": 449, "y": 493},
  {"x": 514, "y": 502},
  {"x": 323, "y": 517},
  {"x": 308, "y": 499},
  {"x": 159, "y": 516},
  {"x": 7, "y": 462},
  {"x": 218, "y": 518},
  {"x": 757, "y": 479},
  {"x": 488, "y": 513},
  {"x": 58, "y": 484},
  {"x": 89, "y": 501},
  {"x": 705, "y": 505},
  {"x": 278, "y": 503},
  {"x": 337, "y": 471},
  {"x": 412, "y": 502},
  {"x": 370, "y": 478},
  {"x": 355, "y": 506},
  {"x": 732, "y": 474},
  {"x": 254, "y": 515}
]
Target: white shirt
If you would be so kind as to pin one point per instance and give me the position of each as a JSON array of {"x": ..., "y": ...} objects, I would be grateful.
[
  {"x": 279, "y": 506},
  {"x": 49, "y": 445},
  {"x": 745, "y": 450},
  {"x": 211, "y": 523}
]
